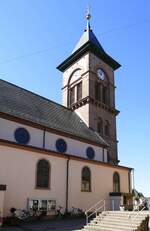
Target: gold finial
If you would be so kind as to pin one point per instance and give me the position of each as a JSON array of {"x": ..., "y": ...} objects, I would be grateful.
[{"x": 88, "y": 17}]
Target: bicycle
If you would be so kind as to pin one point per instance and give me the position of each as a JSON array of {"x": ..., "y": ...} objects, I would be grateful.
[
  {"x": 76, "y": 211},
  {"x": 59, "y": 213},
  {"x": 22, "y": 214}
]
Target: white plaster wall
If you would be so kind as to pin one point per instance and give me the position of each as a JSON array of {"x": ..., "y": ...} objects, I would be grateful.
[
  {"x": 101, "y": 184},
  {"x": 74, "y": 147},
  {"x": 7, "y": 130},
  {"x": 18, "y": 172}
]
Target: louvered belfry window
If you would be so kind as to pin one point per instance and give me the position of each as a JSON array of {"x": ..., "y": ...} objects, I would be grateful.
[
  {"x": 79, "y": 91},
  {"x": 100, "y": 126},
  {"x": 98, "y": 91},
  {"x": 72, "y": 95},
  {"x": 107, "y": 128}
]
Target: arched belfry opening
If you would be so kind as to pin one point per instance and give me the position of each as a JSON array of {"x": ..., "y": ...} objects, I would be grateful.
[{"x": 74, "y": 93}]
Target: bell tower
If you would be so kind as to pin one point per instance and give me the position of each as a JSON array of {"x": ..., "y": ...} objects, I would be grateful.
[{"x": 89, "y": 88}]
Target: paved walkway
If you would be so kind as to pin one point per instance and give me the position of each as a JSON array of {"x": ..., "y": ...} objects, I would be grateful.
[{"x": 54, "y": 225}]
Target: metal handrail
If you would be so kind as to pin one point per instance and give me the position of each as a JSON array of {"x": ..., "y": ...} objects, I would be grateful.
[
  {"x": 94, "y": 207},
  {"x": 137, "y": 214},
  {"x": 137, "y": 210},
  {"x": 95, "y": 212}
]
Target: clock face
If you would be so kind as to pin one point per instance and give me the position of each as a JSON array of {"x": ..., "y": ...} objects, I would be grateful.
[{"x": 101, "y": 74}]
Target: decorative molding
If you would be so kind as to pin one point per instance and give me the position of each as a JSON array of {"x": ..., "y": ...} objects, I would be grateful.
[
  {"x": 97, "y": 103},
  {"x": 72, "y": 84}
]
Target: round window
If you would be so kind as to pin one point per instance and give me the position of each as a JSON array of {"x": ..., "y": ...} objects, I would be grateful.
[
  {"x": 22, "y": 136},
  {"x": 90, "y": 153},
  {"x": 61, "y": 145}
]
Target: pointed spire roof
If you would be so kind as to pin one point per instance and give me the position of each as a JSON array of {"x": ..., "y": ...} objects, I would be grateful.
[
  {"x": 88, "y": 42},
  {"x": 88, "y": 36}
]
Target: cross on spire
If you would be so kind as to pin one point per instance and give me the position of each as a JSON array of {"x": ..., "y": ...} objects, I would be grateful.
[{"x": 88, "y": 17}]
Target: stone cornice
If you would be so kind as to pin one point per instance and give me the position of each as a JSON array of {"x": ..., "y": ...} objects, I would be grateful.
[{"x": 97, "y": 103}]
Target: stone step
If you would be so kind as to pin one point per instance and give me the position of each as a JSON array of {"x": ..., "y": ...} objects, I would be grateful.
[
  {"x": 116, "y": 221},
  {"x": 120, "y": 218},
  {"x": 119, "y": 221},
  {"x": 127, "y": 223},
  {"x": 102, "y": 228},
  {"x": 124, "y": 215},
  {"x": 126, "y": 226}
]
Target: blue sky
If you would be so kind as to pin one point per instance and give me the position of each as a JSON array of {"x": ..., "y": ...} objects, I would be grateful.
[{"x": 37, "y": 35}]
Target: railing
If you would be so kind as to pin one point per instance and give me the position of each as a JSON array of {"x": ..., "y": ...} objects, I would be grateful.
[
  {"x": 99, "y": 206},
  {"x": 136, "y": 215},
  {"x": 138, "y": 212}
]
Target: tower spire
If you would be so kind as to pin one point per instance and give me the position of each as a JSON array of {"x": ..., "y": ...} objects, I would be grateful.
[{"x": 88, "y": 17}]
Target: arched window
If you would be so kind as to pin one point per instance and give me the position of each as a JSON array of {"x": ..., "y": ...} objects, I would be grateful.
[
  {"x": 86, "y": 180},
  {"x": 100, "y": 126},
  {"x": 74, "y": 87},
  {"x": 116, "y": 182},
  {"x": 107, "y": 128},
  {"x": 42, "y": 174}
]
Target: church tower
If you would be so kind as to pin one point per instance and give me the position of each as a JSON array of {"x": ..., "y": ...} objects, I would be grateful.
[{"x": 89, "y": 89}]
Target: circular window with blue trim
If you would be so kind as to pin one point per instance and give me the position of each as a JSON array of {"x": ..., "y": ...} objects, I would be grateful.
[
  {"x": 90, "y": 153},
  {"x": 22, "y": 136},
  {"x": 61, "y": 145}
]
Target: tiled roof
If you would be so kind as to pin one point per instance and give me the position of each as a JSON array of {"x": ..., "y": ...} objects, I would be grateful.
[{"x": 26, "y": 105}]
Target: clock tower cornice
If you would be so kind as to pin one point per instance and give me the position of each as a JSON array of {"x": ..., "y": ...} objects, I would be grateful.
[{"x": 89, "y": 99}]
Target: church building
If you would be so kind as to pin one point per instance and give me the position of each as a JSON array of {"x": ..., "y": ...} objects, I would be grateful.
[{"x": 63, "y": 155}]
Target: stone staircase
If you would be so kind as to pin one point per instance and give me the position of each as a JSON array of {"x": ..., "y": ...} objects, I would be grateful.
[{"x": 119, "y": 221}]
